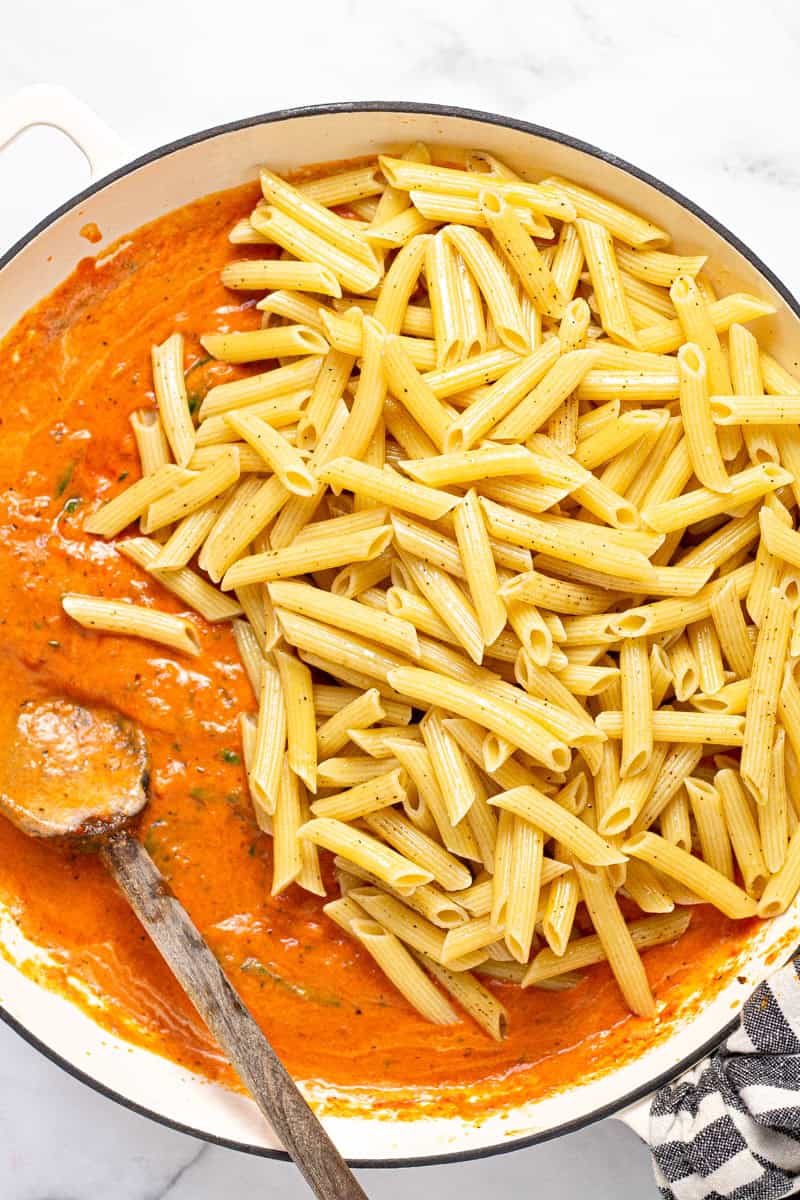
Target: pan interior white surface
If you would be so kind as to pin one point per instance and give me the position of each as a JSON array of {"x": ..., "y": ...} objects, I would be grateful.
[{"x": 220, "y": 161}]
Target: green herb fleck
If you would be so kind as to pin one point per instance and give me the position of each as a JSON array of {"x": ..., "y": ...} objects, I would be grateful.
[
  {"x": 195, "y": 400},
  {"x": 201, "y": 362},
  {"x": 230, "y": 756},
  {"x": 73, "y": 503},
  {"x": 64, "y": 480},
  {"x": 198, "y": 793},
  {"x": 122, "y": 477},
  {"x": 252, "y": 966}
]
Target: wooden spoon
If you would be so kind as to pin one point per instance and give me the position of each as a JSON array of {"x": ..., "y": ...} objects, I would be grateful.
[{"x": 82, "y": 773}]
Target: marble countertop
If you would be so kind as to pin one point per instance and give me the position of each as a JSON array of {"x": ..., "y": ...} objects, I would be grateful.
[{"x": 700, "y": 95}]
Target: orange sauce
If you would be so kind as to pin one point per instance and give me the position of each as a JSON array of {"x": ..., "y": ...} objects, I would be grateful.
[{"x": 71, "y": 373}]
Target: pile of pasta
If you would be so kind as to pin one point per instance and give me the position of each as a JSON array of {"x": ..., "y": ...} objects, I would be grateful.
[{"x": 506, "y": 533}]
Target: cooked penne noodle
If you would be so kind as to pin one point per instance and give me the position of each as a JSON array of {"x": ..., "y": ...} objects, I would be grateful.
[
  {"x": 646, "y": 890},
  {"x": 132, "y": 620},
  {"x": 742, "y": 829},
  {"x": 713, "y": 832},
  {"x": 598, "y": 250},
  {"x": 696, "y": 411},
  {"x": 693, "y": 874},
  {"x": 256, "y": 389},
  {"x": 470, "y": 466},
  {"x": 287, "y": 861},
  {"x": 188, "y": 497},
  {"x": 414, "y": 393},
  {"x": 573, "y": 542},
  {"x": 448, "y": 601},
  {"x": 307, "y": 556},
  {"x": 656, "y": 267},
  {"x": 637, "y": 716},
  {"x": 190, "y": 587},
  {"x": 360, "y": 712},
  {"x": 249, "y": 652},
  {"x": 781, "y": 888},
  {"x": 525, "y": 872},
  {"x": 386, "y": 487},
  {"x": 585, "y": 951},
  {"x": 532, "y": 411},
  {"x": 411, "y": 928},
  {"x": 532, "y": 805},
  {"x": 522, "y": 253},
  {"x": 697, "y": 728},
  {"x": 416, "y": 760},
  {"x": 407, "y": 175},
  {"x": 363, "y": 799},
  {"x": 479, "y": 567},
  {"x": 302, "y": 206},
  {"x": 633, "y": 230},
  {"x": 557, "y": 595},
  {"x": 514, "y": 383},
  {"x": 353, "y": 271},
  {"x": 270, "y": 740},
  {"x": 402, "y": 970},
  {"x": 449, "y": 766},
  {"x": 173, "y": 403},
  {"x": 679, "y": 763},
  {"x": 773, "y": 816},
  {"x": 365, "y": 851},
  {"x": 615, "y": 937},
  {"x": 280, "y": 342},
  {"x": 762, "y": 703},
  {"x": 345, "y": 614},
  {"x": 116, "y": 514},
  {"x": 417, "y": 846},
  {"x": 300, "y": 724},
  {"x": 444, "y": 294},
  {"x": 729, "y": 622},
  {"x": 279, "y": 412},
  {"x": 706, "y": 650},
  {"x": 276, "y": 452},
  {"x": 494, "y": 284},
  {"x": 188, "y": 536},
  {"x": 377, "y": 743},
  {"x": 151, "y": 442},
  {"x": 731, "y": 698},
  {"x": 627, "y": 797},
  {"x": 255, "y": 274},
  {"x": 748, "y": 485}
]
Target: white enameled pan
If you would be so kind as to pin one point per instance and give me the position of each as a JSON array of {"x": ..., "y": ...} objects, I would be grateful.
[{"x": 144, "y": 189}]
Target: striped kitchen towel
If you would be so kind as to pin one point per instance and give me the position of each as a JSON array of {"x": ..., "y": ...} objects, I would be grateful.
[{"x": 730, "y": 1129}]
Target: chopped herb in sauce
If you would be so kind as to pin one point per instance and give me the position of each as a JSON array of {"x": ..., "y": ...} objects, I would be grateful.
[
  {"x": 253, "y": 966},
  {"x": 64, "y": 480}
]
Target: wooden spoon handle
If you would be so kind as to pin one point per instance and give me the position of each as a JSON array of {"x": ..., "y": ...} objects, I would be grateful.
[{"x": 194, "y": 966}]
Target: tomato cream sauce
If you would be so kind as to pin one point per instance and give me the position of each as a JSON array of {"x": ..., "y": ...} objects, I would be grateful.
[{"x": 71, "y": 373}]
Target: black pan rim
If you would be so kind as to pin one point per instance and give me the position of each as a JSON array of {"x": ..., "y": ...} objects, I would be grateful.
[{"x": 486, "y": 118}]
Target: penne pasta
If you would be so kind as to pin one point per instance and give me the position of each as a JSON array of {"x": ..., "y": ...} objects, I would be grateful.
[
  {"x": 173, "y": 403},
  {"x": 132, "y": 620},
  {"x": 765, "y": 683},
  {"x": 693, "y": 874}
]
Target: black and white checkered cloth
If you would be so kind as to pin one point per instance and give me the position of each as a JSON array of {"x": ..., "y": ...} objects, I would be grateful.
[{"x": 730, "y": 1129}]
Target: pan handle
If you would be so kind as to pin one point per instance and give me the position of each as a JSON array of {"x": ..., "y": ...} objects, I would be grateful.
[{"x": 46, "y": 104}]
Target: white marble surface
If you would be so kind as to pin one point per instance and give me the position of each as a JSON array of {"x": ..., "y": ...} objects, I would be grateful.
[{"x": 702, "y": 94}]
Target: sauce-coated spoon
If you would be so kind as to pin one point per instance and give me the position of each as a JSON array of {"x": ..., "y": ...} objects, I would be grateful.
[{"x": 70, "y": 771}]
